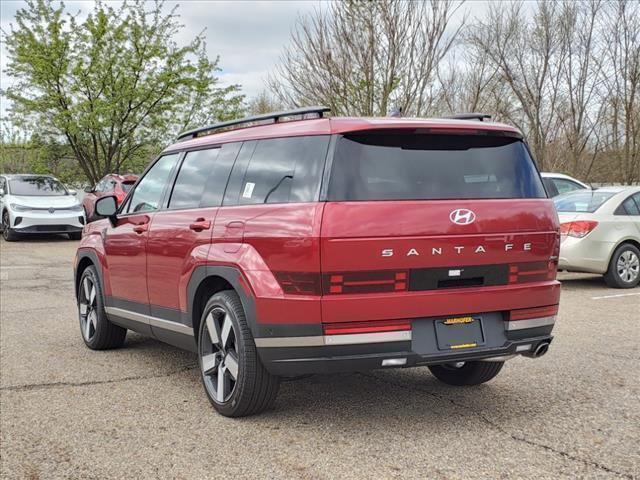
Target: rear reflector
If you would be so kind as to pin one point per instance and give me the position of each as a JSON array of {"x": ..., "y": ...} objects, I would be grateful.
[
  {"x": 577, "y": 229},
  {"x": 537, "y": 312},
  {"x": 366, "y": 327}
]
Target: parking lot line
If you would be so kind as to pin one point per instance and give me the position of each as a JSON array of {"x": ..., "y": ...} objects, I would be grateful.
[{"x": 615, "y": 296}]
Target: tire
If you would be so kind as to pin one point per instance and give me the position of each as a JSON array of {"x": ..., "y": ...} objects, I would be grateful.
[
  {"x": 624, "y": 267},
  {"x": 8, "y": 233},
  {"x": 75, "y": 235},
  {"x": 235, "y": 380},
  {"x": 97, "y": 331},
  {"x": 466, "y": 373}
]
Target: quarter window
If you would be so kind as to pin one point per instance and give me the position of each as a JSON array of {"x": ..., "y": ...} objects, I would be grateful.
[
  {"x": 564, "y": 186},
  {"x": 148, "y": 194},
  {"x": 630, "y": 207},
  {"x": 284, "y": 170}
]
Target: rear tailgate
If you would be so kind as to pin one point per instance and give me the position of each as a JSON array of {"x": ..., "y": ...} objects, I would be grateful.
[
  {"x": 398, "y": 258},
  {"x": 409, "y": 249}
]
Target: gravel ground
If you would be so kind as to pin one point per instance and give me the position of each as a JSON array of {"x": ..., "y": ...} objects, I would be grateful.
[{"x": 140, "y": 412}]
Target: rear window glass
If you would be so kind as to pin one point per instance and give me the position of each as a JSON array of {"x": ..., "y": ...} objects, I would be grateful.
[
  {"x": 410, "y": 166},
  {"x": 584, "y": 201}
]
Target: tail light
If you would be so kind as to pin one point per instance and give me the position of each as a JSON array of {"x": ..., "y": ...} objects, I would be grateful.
[
  {"x": 577, "y": 229},
  {"x": 366, "y": 327},
  {"x": 296, "y": 283},
  {"x": 533, "y": 271},
  {"x": 366, "y": 282}
]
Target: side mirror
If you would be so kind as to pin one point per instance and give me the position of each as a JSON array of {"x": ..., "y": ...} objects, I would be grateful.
[
  {"x": 88, "y": 189},
  {"x": 106, "y": 207},
  {"x": 73, "y": 192}
]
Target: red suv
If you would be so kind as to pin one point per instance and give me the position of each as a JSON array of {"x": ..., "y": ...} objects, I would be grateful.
[
  {"x": 320, "y": 245},
  {"x": 112, "y": 184}
]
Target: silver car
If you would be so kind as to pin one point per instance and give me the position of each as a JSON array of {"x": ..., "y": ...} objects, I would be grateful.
[{"x": 600, "y": 233}]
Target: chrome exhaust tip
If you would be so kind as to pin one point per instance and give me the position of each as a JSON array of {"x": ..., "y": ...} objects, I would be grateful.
[{"x": 541, "y": 349}]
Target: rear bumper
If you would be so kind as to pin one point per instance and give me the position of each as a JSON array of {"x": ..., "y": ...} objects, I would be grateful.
[
  {"x": 585, "y": 255},
  {"x": 290, "y": 356}
]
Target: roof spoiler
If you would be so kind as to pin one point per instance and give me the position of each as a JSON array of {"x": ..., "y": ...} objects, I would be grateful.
[
  {"x": 275, "y": 117},
  {"x": 470, "y": 116}
]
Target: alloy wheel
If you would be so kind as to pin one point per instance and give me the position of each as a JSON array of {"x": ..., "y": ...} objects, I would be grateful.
[
  {"x": 219, "y": 355},
  {"x": 628, "y": 266},
  {"x": 87, "y": 304}
]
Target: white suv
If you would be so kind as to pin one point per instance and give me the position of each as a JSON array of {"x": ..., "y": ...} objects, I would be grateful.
[{"x": 38, "y": 204}]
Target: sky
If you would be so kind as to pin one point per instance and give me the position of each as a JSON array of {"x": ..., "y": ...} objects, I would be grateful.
[{"x": 247, "y": 35}]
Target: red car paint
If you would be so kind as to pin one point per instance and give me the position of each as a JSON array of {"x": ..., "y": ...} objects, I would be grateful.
[
  {"x": 287, "y": 254},
  {"x": 112, "y": 184}
]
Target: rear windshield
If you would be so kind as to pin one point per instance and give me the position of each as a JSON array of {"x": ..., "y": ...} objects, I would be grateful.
[
  {"x": 583, "y": 201},
  {"x": 410, "y": 166},
  {"x": 36, "y": 186}
]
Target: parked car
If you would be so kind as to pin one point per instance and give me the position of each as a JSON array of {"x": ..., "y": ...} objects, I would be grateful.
[
  {"x": 38, "y": 204},
  {"x": 322, "y": 245},
  {"x": 601, "y": 233},
  {"x": 112, "y": 184},
  {"x": 558, "y": 183}
]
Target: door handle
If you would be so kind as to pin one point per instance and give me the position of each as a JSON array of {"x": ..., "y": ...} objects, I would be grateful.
[
  {"x": 141, "y": 228},
  {"x": 200, "y": 224}
]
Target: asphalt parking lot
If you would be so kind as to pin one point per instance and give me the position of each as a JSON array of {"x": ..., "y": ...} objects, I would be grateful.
[{"x": 140, "y": 412}]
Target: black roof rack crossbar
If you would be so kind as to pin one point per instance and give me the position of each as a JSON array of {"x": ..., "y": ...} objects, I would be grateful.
[
  {"x": 470, "y": 116},
  {"x": 275, "y": 116}
]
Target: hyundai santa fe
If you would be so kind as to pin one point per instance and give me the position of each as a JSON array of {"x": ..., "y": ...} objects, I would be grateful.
[{"x": 292, "y": 243}]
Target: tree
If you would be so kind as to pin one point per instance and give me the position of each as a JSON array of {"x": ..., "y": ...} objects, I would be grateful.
[
  {"x": 113, "y": 85},
  {"x": 264, "y": 103},
  {"x": 365, "y": 58}
]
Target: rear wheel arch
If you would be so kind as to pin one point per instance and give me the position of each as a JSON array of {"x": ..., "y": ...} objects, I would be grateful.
[
  {"x": 630, "y": 241},
  {"x": 208, "y": 280}
]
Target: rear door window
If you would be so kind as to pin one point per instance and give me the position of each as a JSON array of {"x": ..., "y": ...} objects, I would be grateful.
[
  {"x": 284, "y": 170},
  {"x": 192, "y": 178},
  {"x": 388, "y": 165}
]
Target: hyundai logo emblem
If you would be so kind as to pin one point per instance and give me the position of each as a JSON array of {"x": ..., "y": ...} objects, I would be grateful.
[{"x": 462, "y": 216}]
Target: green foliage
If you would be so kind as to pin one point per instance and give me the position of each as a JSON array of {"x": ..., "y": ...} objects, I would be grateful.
[{"x": 115, "y": 87}]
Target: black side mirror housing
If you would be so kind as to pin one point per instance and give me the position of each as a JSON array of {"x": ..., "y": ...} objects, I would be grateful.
[{"x": 107, "y": 207}]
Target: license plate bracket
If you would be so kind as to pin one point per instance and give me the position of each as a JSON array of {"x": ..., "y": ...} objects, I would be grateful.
[{"x": 459, "y": 333}]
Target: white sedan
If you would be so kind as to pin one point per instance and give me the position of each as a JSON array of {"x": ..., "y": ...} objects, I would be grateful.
[
  {"x": 38, "y": 204},
  {"x": 600, "y": 233}
]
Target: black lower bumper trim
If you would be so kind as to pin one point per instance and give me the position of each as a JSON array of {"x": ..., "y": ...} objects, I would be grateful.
[{"x": 351, "y": 358}]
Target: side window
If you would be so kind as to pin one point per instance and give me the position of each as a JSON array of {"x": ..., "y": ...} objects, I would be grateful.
[
  {"x": 285, "y": 170},
  {"x": 219, "y": 176},
  {"x": 565, "y": 186},
  {"x": 192, "y": 178},
  {"x": 630, "y": 207},
  {"x": 237, "y": 174},
  {"x": 100, "y": 186},
  {"x": 148, "y": 193},
  {"x": 550, "y": 186},
  {"x": 110, "y": 185}
]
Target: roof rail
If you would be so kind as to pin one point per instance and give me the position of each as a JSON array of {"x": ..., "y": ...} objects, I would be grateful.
[
  {"x": 470, "y": 116},
  {"x": 275, "y": 116}
]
